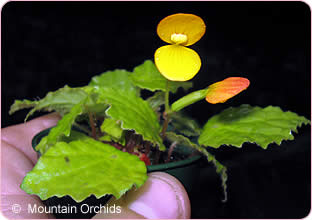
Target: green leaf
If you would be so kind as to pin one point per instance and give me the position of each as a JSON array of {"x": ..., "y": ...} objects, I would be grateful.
[
  {"x": 112, "y": 127},
  {"x": 133, "y": 112},
  {"x": 147, "y": 76},
  {"x": 61, "y": 101},
  {"x": 220, "y": 169},
  {"x": 73, "y": 136},
  {"x": 184, "y": 124},
  {"x": 22, "y": 104},
  {"x": 84, "y": 167},
  {"x": 157, "y": 100},
  {"x": 188, "y": 100},
  {"x": 262, "y": 126},
  {"x": 91, "y": 104},
  {"x": 117, "y": 79},
  {"x": 180, "y": 139},
  {"x": 106, "y": 137},
  {"x": 62, "y": 128}
]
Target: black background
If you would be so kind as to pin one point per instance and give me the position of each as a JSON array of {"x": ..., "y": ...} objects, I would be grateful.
[{"x": 48, "y": 45}]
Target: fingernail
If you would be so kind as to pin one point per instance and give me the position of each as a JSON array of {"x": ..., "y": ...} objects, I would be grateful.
[{"x": 162, "y": 196}]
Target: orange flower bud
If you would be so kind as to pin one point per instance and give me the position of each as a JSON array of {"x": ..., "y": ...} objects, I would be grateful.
[{"x": 220, "y": 92}]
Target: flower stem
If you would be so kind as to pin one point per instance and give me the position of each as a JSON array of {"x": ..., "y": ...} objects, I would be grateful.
[
  {"x": 166, "y": 117},
  {"x": 167, "y": 107},
  {"x": 166, "y": 114}
]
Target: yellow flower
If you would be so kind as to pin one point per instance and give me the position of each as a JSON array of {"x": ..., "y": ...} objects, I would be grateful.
[{"x": 177, "y": 62}]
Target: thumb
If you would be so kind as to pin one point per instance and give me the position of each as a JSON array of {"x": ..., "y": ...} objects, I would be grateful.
[{"x": 161, "y": 197}]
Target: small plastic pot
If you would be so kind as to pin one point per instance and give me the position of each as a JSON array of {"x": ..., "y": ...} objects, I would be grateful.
[{"x": 186, "y": 171}]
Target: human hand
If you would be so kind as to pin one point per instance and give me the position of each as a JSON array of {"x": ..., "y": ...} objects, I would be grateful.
[{"x": 162, "y": 196}]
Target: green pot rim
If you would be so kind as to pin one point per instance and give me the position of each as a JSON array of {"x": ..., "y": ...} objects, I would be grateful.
[{"x": 152, "y": 168}]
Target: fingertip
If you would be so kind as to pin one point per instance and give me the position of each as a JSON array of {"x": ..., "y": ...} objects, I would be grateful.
[
  {"x": 45, "y": 121},
  {"x": 162, "y": 196}
]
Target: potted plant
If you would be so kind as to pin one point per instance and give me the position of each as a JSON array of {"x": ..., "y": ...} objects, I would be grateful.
[{"x": 111, "y": 135}]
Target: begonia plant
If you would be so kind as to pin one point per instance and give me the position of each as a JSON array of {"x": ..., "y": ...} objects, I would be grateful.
[{"x": 120, "y": 133}]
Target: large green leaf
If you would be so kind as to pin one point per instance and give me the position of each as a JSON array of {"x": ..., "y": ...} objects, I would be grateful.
[
  {"x": 147, "y": 76},
  {"x": 63, "y": 128},
  {"x": 84, "y": 167},
  {"x": 61, "y": 101},
  {"x": 262, "y": 126},
  {"x": 220, "y": 169},
  {"x": 117, "y": 79},
  {"x": 133, "y": 112}
]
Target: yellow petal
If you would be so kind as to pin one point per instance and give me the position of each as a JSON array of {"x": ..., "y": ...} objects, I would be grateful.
[
  {"x": 188, "y": 27},
  {"x": 177, "y": 63}
]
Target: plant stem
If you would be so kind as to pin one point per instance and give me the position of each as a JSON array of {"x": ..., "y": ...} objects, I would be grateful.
[
  {"x": 147, "y": 147},
  {"x": 91, "y": 121},
  {"x": 157, "y": 156},
  {"x": 188, "y": 100},
  {"x": 166, "y": 114},
  {"x": 172, "y": 146},
  {"x": 130, "y": 142},
  {"x": 167, "y": 107},
  {"x": 165, "y": 125}
]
